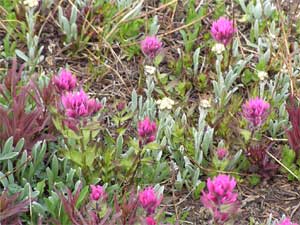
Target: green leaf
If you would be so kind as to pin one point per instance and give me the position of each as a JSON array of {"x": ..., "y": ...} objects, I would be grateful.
[
  {"x": 103, "y": 211},
  {"x": 21, "y": 55},
  {"x": 90, "y": 156},
  {"x": 248, "y": 76},
  {"x": 8, "y": 146},
  {"x": 119, "y": 145},
  {"x": 198, "y": 190},
  {"x": 254, "y": 180},
  {"x": 246, "y": 135},
  {"x": 38, "y": 208},
  {"x": 75, "y": 156},
  {"x": 152, "y": 146},
  {"x": 50, "y": 177},
  {"x": 54, "y": 166},
  {"x": 9, "y": 155},
  {"x": 20, "y": 145},
  {"x": 261, "y": 65},
  {"x": 82, "y": 196},
  {"x": 288, "y": 156},
  {"x": 3, "y": 179},
  {"x": 40, "y": 186}
]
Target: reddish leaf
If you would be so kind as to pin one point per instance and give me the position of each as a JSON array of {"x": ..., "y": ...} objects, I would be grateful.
[
  {"x": 10, "y": 210},
  {"x": 294, "y": 133}
]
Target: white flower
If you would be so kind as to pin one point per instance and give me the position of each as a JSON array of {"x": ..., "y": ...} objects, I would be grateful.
[
  {"x": 149, "y": 70},
  {"x": 204, "y": 103},
  {"x": 218, "y": 48},
  {"x": 31, "y": 3},
  {"x": 165, "y": 103},
  {"x": 262, "y": 75},
  {"x": 284, "y": 69}
]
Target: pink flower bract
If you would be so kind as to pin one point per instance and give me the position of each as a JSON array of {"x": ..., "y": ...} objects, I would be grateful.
[
  {"x": 150, "y": 220},
  {"x": 151, "y": 46},
  {"x": 222, "y": 153},
  {"x": 148, "y": 200},
  {"x": 221, "y": 198},
  {"x": 64, "y": 81},
  {"x": 256, "y": 111},
  {"x": 97, "y": 192},
  {"x": 78, "y": 104},
  {"x": 147, "y": 130},
  {"x": 222, "y": 30},
  {"x": 287, "y": 222}
]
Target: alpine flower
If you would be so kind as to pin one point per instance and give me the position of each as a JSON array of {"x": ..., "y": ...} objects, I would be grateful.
[
  {"x": 97, "y": 192},
  {"x": 150, "y": 221},
  {"x": 221, "y": 153},
  {"x": 165, "y": 103},
  {"x": 146, "y": 131},
  {"x": 149, "y": 200},
  {"x": 204, "y": 103},
  {"x": 151, "y": 46},
  {"x": 221, "y": 199},
  {"x": 78, "y": 104},
  {"x": 31, "y": 3},
  {"x": 262, "y": 75},
  {"x": 121, "y": 106},
  {"x": 64, "y": 81},
  {"x": 256, "y": 111},
  {"x": 218, "y": 48},
  {"x": 287, "y": 222},
  {"x": 222, "y": 30}
]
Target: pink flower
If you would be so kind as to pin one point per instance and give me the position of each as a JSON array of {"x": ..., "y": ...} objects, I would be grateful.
[
  {"x": 78, "y": 104},
  {"x": 256, "y": 111},
  {"x": 222, "y": 153},
  {"x": 222, "y": 30},
  {"x": 220, "y": 198},
  {"x": 121, "y": 106},
  {"x": 97, "y": 192},
  {"x": 287, "y": 222},
  {"x": 150, "y": 221},
  {"x": 146, "y": 130},
  {"x": 149, "y": 200},
  {"x": 151, "y": 46},
  {"x": 65, "y": 81}
]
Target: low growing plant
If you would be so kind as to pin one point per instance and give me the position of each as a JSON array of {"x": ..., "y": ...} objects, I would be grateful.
[
  {"x": 11, "y": 208},
  {"x": 23, "y": 113}
]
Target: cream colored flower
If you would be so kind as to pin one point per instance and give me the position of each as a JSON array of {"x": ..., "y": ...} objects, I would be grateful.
[
  {"x": 149, "y": 70},
  {"x": 165, "y": 103},
  {"x": 262, "y": 75},
  {"x": 31, "y": 3},
  {"x": 204, "y": 103},
  {"x": 218, "y": 48}
]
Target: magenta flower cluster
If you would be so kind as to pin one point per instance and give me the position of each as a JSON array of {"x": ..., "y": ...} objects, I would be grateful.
[
  {"x": 97, "y": 192},
  {"x": 78, "y": 104},
  {"x": 151, "y": 46},
  {"x": 150, "y": 221},
  {"x": 221, "y": 199},
  {"x": 287, "y": 222},
  {"x": 256, "y": 111},
  {"x": 64, "y": 81},
  {"x": 149, "y": 200},
  {"x": 221, "y": 153},
  {"x": 146, "y": 131},
  {"x": 223, "y": 30}
]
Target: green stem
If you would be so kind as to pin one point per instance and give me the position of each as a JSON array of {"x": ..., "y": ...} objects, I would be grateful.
[
  {"x": 82, "y": 150},
  {"x": 133, "y": 170},
  {"x": 250, "y": 139},
  {"x": 160, "y": 84}
]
